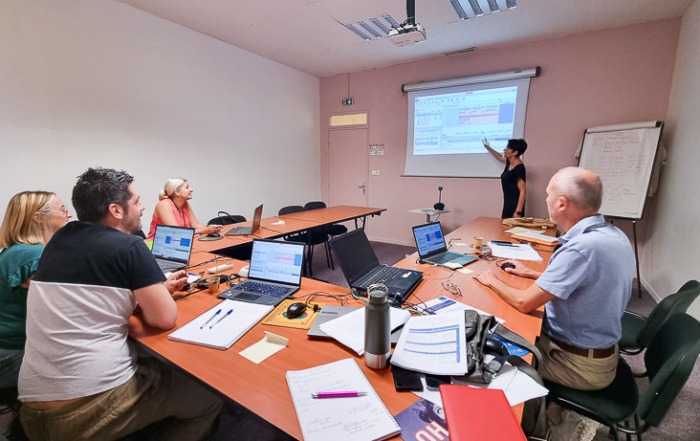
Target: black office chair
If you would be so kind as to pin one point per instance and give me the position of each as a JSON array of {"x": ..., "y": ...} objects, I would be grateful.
[
  {"x": 223, "y": 218},
  {"x": 669, "y": 361},
  {"x": 311, "y": 237},
  {"x": 637, "y": 331},
  {"x": 331, "y": 230}
]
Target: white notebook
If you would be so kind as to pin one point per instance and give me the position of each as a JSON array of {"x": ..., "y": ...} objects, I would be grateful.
[
  {"x": 360, "y": 418},
  {"x": 221, "y": 326}
]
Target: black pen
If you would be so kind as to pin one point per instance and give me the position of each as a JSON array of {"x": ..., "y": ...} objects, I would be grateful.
[{"x": 223, "y": 317}]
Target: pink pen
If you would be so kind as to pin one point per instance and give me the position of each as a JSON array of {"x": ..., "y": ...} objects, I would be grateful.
[{"x": 338, "y": 394}]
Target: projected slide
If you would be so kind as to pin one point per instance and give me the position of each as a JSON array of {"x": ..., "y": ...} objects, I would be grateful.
[{"x": 455, "y": 123}]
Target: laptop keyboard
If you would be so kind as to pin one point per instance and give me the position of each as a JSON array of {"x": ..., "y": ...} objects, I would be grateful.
[
  {"x": 263, "y": 288},
  {"x": 169, "y": 266},
  {"x": 447, "y": 256},
  {"x": 387, "y": 275}
]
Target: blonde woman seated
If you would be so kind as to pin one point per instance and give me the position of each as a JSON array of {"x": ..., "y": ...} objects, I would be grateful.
[
  {"x": 174, "y": 209},
  {"x": 30, "y": 220}
]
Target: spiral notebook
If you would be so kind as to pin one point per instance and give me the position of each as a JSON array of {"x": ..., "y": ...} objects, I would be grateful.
[
  {"x": 221, "y": 326},
  {"x": 360, "y": 418}
]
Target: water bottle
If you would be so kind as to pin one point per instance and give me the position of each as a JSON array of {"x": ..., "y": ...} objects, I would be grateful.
[{"x": 377, "y": 327}]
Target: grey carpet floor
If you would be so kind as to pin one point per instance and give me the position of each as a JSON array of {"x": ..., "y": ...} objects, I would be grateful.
[{"x": 239, "y": 424}]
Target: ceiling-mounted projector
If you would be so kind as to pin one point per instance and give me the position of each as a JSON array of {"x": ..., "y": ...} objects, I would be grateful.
[{"x": 406, "y": 34}]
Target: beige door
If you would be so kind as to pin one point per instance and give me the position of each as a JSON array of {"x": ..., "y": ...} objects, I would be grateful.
[{"x": 347, "y": 167}]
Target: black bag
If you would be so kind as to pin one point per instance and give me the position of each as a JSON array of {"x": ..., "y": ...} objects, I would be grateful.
[{"x": 477, "y": 327}]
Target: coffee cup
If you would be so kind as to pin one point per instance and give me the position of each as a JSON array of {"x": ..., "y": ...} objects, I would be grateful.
[
  {"x": 213, "y": 284},
  {"x": 478, "y": 244}
]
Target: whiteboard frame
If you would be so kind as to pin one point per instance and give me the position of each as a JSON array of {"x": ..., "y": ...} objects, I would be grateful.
[{"x": 584, "y": 161}]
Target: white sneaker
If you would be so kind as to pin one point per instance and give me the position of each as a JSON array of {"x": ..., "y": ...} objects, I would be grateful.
[{"x": 573, "y": 427}]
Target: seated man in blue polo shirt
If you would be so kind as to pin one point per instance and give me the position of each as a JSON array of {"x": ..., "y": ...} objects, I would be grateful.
[{"x": 584, "y": 289}]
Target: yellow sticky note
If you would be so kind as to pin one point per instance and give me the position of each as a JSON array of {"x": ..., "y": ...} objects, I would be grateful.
[{"x": 268, "y": 346}]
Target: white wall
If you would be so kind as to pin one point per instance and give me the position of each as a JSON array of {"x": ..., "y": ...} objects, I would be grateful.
[
  {"x": 671, "y": 254},
  {"x": 99, "y": 83}
]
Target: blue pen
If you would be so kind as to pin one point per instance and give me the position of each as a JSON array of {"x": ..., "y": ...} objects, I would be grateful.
[
  {"x": 210, "y": 319},
  {"x": 224, "y": 316}
]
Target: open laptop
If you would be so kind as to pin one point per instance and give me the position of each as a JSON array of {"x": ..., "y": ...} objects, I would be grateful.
[
  {"x": 361, "y": 267},
  {"x": 243, "y": 231},
  {"x": 172, "y": 247},
  {"x": 432, "y": 248},
  {"x": 274, "y": 274}
]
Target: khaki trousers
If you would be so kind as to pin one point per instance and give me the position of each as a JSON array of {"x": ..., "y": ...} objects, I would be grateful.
[
  {"x": 575, "y": 371},
  {"x": 153, "y": 394}
]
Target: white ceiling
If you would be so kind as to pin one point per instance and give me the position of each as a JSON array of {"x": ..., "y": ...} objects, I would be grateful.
[{"x": 308, "y": 35}]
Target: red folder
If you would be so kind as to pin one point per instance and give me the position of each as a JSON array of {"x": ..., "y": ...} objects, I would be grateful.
[{"x": 476, "y": 414}]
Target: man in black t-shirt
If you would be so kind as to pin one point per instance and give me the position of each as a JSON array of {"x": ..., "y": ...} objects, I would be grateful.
[{"x": 80, "y": 378}]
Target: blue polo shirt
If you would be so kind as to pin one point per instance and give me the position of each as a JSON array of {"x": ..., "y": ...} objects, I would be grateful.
[{"x": 591, "y": 277}]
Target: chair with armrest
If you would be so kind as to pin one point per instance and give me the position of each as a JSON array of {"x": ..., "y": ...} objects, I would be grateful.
[
  {"x": 223, "y": 218},
  {"x": 311, "y": 237},
  {"x": 331, "y": 230},
  {"x": 669, "y": 360},
  {"x": 637, "y": 331}
]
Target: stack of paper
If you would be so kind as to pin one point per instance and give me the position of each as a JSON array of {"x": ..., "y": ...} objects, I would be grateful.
[
  {"x": 521, "y": 251},
  {"x": 537, "y": 237},
  {"x": 349, "y": 329},
  {"x": 433, "y": 344}
]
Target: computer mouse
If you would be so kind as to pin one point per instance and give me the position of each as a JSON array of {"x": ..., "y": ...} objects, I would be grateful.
[
  {"x": 213, "y": 235},
  {"x": 495, "y": 347},
  {"x": 507, "y": 265},
  {"x": 295, "y": 310}
]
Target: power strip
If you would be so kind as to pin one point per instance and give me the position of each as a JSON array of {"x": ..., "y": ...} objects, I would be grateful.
[{"x": 216, "y": 269}]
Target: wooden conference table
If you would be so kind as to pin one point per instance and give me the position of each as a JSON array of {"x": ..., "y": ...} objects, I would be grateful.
[
  {"x": 262, "y": 388},
  {"x": 278, "y": 226}
]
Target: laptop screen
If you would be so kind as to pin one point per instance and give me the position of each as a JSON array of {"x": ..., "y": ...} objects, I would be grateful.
[
  {"x": 173, "y": 243},
  {"x": 257, "y": 216},
  {"x": 429, "y": 239},
  {"x": 355, "y": 254},
  {"x": 277, "y": 261}
]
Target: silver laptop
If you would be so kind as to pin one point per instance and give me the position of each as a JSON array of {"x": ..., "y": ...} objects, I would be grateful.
[
  {"x": 432, "y": 248},
  {"x": 274, "y": 274},
  {"x": 244, "y": 231},
  {"x": 172, "y": 247}
]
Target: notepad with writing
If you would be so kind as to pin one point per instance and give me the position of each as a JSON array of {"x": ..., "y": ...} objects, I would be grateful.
[
  {"x": 221, "y": 326},
  {"x": 361, "y": 418},
  {"x": 478, "y": 414}
]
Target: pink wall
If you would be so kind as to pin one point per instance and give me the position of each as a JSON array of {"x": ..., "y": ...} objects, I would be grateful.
[{"x": 607, "y": 77}]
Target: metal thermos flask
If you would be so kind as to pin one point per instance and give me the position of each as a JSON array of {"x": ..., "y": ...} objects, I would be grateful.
[{"x": 377, "y": 327}]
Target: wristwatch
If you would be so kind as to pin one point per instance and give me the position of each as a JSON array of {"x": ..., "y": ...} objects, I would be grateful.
[{"x": 519, "y": 213}]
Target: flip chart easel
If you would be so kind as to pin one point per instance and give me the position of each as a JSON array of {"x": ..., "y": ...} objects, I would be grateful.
[{"x": 623, "y": 155}]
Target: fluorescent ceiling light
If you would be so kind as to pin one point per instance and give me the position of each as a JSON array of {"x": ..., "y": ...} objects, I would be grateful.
[
  {"x": 373, "y": 28},
  {"x": 475, "y": 8}
]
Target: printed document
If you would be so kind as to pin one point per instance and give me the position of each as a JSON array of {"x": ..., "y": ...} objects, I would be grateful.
[
  {"x": 433, "y": 344},
  {"x": 521, "y": 251}
]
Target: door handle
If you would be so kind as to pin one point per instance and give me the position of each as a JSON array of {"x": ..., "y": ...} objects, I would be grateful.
[{"x": 363, "y": 187}]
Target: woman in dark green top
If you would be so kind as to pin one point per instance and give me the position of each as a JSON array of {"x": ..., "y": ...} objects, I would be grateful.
[{"x": 30, "y": 220}]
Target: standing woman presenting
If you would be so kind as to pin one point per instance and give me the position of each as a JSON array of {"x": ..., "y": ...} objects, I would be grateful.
[
  {"x": 513, "y": 177},
  {"x": 174, "y": 209}
]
